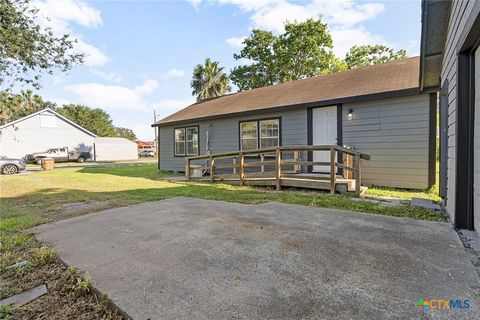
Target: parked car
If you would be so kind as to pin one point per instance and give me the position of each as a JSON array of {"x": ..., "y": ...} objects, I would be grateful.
[
  {"x": 59, "y": 155},
  {"x": 147, "y": 153},
  {"x": 11, "y": 166}
]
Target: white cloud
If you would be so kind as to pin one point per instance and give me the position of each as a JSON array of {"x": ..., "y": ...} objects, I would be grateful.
[
  {"x": 344, "y": 18},
  {"x": 112, "y": 76},
  {"x": 93, "y": 56},
  {"x": 345, "y": 38},
  {"x": 346, "y": 12},
  {"x": 250, "y": 5},
  {"x": 195, "y": 3},
  {"x": 114, "y": 96},
  {"x": 235, "y": 42},
  {"x": 174, "y": 73},
  {"x": 60, "y": 15},
  {"x": 274, "y": 16},
  {"x": 147, "y": 87}
]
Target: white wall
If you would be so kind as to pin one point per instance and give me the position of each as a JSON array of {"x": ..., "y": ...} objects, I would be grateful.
[
  {"x": 40, "y": 133},
  {"x": 109, "y": 149}
]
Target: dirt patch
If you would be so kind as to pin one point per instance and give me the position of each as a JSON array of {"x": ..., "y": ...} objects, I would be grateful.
[
  {"x": 73, "y": 209},
  {"x": 76, "y": 208},
  {"x": 70, "y": 292}
]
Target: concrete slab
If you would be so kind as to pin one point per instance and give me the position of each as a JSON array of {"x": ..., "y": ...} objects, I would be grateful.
[
  {"x": 186, "y": 258},
  {"x": 25, "y": 297},
  {"x": 425, "y": 203}
]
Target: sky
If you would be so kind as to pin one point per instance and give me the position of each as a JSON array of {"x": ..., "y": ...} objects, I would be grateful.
[{"x": 139, "y": 55}]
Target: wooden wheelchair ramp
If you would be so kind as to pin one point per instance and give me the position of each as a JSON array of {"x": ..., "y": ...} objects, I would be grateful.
[{"x": 286, "y": 166}]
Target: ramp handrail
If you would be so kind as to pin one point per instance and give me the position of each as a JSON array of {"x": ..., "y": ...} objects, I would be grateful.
[{"x": 336, "y": 153}]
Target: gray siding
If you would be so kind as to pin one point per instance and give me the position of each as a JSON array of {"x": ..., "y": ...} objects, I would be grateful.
[
  {"x": 395, "y": 133},
  {"x": 223, "y": 135},
  {"x": 461, "y": 11}
]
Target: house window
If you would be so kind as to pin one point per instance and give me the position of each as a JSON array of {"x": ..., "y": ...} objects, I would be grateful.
[
  {"x": 249, "y": 135},
  {"x": 186, "y": 141},
  {"x": 259, "y": 134},
  {"x": 192, "y": 141},
  {"x": 269, "y": 133},
  {"x": 180, "y": 142}
]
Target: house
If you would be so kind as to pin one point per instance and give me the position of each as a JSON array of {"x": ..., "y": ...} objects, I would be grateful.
[
  {"x": 377, "y": 110},
  {"x": 450, "y": 62},
  {"x": 146, "y": 145},
  {"x": 47, "y": 129}
]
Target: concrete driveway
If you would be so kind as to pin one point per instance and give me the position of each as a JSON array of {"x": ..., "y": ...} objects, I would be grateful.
[{"x": 187, "y": 258}]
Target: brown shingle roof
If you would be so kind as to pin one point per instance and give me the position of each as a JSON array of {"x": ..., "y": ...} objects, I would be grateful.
[{"x": 382, "y": 78}]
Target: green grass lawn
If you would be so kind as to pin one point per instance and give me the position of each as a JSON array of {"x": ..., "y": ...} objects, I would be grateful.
[
  {"x": 431, "y": 194},
  {"x": 31, "y": 199},
  {"x": 43, "y": 195}
]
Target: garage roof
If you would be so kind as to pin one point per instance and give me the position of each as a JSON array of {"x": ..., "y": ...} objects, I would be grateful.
[
  {"x": 383, "y": 80},
  {"x": 113, "y": 140},
  {"x": 48, "y": 110}
]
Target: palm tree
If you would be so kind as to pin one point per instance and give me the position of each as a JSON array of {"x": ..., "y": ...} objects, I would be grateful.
[
  {"x": 30, "y": 102},
  {"x": 209, "y": 80}
]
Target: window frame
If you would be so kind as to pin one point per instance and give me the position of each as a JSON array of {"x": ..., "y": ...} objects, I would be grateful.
[
  {"x": 240, "y": 134},
  {"x": 185, "y": 141},
  {"x": 258, "y": 122},
  {"x": 260, "y": 133}
]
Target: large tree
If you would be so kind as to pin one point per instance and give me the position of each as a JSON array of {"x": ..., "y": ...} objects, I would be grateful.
[
  {"x": 209, "y": 80},
  {"x": 93, "y": 119},
  {"x": 16, "y": 106},
  {"x": 125, "y": 133},
  {"x": 27, "y": 49},
  {"x": 303, "y": 50},
  {"x": 367, "y": 55},
  {"x": 262, "y": 71}
]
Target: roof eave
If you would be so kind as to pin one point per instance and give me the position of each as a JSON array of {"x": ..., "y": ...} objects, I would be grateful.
[
  {"x": 368, "y": 97},
  {"x": 435, "y": 15}
]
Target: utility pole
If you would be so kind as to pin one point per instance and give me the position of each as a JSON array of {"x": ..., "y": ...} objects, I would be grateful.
[
  {"x": 156, "y": 142},
  {"x": 155, "y": 128}
]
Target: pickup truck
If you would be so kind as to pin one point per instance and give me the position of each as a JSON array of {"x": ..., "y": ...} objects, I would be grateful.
[{"x": 59, "y": 155}]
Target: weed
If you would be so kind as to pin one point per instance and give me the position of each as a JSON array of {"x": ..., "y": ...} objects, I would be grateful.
[
  {"x": 7, "y": 258},
  {"x": 103, "y": 301},
  {"x": 25, "y": 269},
  {"x": 72, "y": 271},
  {"x": 6, "y": 292},
  {"x": 44, "y": 254},
  {"x": 84, "y": 284},
  {"x": 6, "y": 312}
]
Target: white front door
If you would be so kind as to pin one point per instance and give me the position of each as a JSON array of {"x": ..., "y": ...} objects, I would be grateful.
[
  {"x": 476, "y": 146},
  {"x": 324, "y": 125}
]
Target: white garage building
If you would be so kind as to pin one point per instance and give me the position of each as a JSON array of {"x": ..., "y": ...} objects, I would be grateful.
[{"x": 47, "y": 129}]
